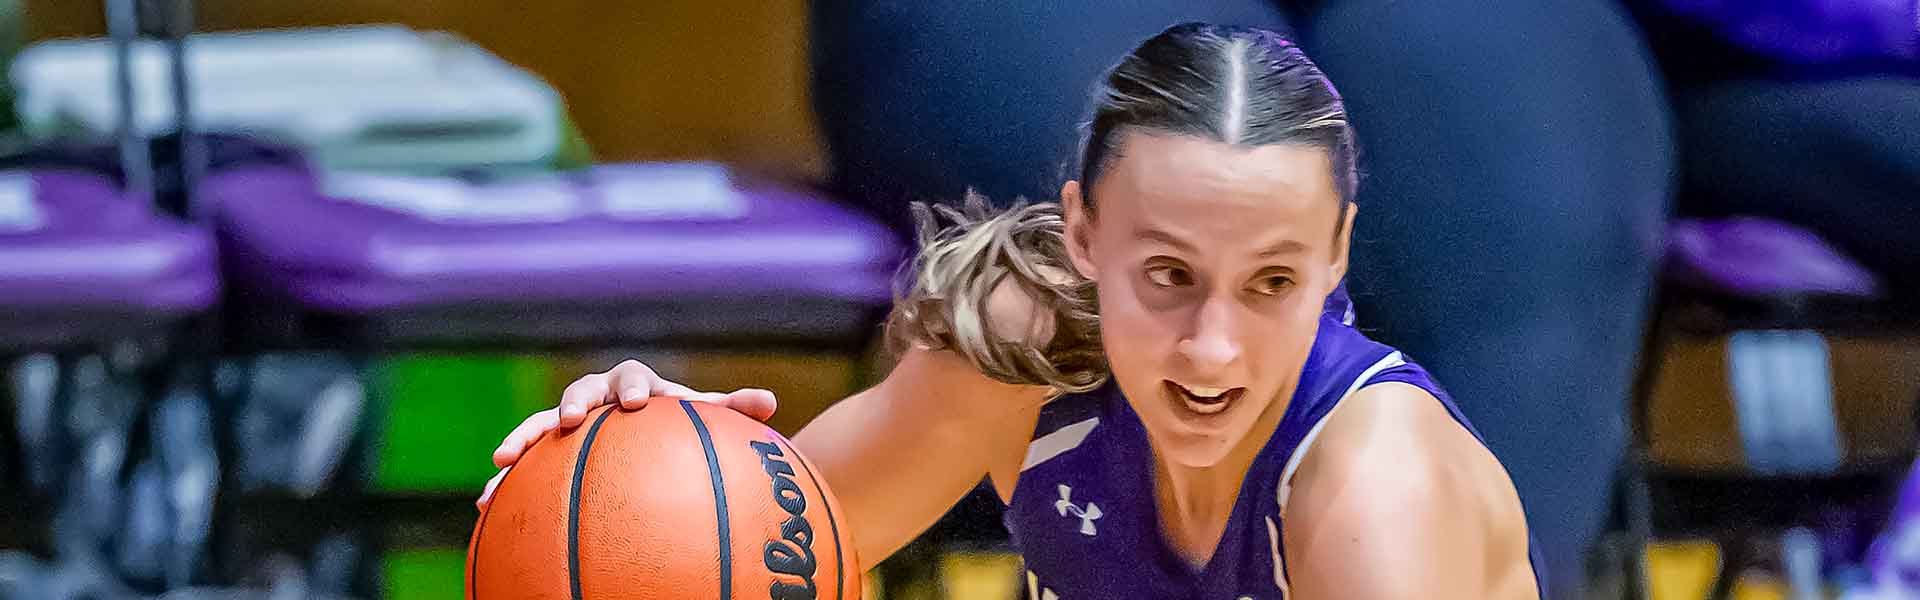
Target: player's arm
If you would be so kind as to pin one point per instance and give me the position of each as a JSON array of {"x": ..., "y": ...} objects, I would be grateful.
[
  {"x": 1397, "y": 500},
  {"x": 897, "y": 455},
  {"x": 962, "y": 403},
  {"x": 901, "y": 454}
]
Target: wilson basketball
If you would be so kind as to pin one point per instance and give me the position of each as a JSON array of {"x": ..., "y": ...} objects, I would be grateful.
[{"x": 680, "y": 500}]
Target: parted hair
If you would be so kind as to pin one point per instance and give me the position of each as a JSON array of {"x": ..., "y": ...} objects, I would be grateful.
[{"x": 1235, "y": 85}]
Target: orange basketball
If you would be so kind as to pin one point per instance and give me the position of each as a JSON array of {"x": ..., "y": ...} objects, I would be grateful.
[{"x": 678, "y": 500}]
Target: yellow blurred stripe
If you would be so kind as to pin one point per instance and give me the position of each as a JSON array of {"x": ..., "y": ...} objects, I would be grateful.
[
  {"x": 1759, "y": 587},
  {"x": 980, "y": 575},
  {"x": 1682, "y": 570}
]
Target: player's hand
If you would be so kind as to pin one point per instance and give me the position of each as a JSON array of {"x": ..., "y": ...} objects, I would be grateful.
[{"x": 629, "y": 383}]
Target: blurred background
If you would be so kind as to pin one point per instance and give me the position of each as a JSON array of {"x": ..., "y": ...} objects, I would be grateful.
[{"x": 264, "y": 346}]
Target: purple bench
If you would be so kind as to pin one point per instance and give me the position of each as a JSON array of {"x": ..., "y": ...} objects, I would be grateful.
[
  {"x": 673, "y": 255},
  {"x": 81, "y": 262},
  {"x": 572, "y": 259}
]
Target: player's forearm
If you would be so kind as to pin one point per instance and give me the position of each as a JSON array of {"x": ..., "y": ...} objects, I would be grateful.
[{"x": 894, "y": 470}]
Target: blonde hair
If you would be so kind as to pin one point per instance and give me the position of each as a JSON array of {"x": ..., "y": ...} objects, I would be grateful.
[{"x": 969, "y": 252}]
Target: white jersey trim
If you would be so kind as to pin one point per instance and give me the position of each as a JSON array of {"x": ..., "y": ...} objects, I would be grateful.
[
  {"x": 1306, "y": 443},
  {"x": 1057, "y": 443}
]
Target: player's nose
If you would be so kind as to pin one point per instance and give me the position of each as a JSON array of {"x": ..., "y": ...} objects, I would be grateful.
[{"x": 1211, "y": 347}]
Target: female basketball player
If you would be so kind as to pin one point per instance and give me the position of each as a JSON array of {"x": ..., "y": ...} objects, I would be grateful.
[{"x": 1159, "y": 374}]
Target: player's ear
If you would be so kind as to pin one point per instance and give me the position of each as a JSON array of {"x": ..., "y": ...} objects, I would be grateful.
[
  {"x": 1079, "y": 228},
  {"x": 1343, "y": 243}
]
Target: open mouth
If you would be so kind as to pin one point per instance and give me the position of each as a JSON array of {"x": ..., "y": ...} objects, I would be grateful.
[{"x": 1203, "y": 400}]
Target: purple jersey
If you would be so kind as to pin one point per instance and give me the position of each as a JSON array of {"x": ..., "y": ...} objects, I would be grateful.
[{"x": 1083, "y": 513}]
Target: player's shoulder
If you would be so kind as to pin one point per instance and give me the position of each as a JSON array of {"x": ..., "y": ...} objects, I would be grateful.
[
  {"x": 1407, "y": 450},
  {"x": 1408, "y": 416},
  {"x": 1356, "y": 368},
  {"x": 1380, "y": 391},
  {"x": 1367, "y": 406},
  {"x": 1401, "y": 442}
]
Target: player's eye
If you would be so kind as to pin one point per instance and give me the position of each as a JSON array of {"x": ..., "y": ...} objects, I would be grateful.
[
  {"x": 1168, "y": 276},
  {"x": 1271, "y": 285}
]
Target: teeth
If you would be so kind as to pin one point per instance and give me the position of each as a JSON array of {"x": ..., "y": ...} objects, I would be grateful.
[
  {"x": 1204, "y": 392},
  {"x": 1206, "y": 409}
]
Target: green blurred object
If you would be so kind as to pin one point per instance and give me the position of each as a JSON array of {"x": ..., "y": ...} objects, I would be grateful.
[
  {"x": 426, "y": 574},
  {"x": 574, "y": 152},
  {"x": 12, "y": 39},
  {"x": 440, "y": 416}
]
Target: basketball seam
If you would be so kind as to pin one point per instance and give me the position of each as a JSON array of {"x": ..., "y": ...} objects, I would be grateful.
[
  {"x": 839, "y": 564},
  {"x": 473, "y": 570},
  {"x": 573, "y": 505},
  {"x": 719, "y": 501}
]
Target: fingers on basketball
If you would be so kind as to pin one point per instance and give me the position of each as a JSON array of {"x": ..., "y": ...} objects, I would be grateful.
[
  {"x": 678, "y": 500},
  {"x": 524, "y": 435}
]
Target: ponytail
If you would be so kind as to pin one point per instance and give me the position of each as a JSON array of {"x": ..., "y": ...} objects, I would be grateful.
[{"x": 971, "y": 254}]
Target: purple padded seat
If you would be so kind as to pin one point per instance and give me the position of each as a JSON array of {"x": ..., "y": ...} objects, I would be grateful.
[
  {"x": 1755, "y": 273},
  {"x": 1756, "y": 258},
  {"x": 80, "y": 261},
  {"x": 783, "y": 265}
]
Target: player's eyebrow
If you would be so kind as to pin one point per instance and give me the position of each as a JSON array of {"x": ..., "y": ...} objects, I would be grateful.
[
  {"x": 1155, "y": 235},
  {"x": 1281, "y": 247}
]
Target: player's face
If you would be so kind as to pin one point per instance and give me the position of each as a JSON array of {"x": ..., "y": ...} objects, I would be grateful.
[{"x": 1212, "y": 263}]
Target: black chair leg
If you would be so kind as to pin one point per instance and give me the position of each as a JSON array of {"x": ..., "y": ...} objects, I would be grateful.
[
  {"x": 1637, "y": 506},
  {"x": 1736, "y": 553},
  {"x": 1636, "y": 487}
]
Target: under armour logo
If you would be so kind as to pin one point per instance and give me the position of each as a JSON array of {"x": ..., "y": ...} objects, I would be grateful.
[{"x": 1065, "y": 506}]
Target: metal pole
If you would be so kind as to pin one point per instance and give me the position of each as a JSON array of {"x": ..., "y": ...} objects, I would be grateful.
[
  {"x": 123, "y": 27},
  {"x": 192, "y": 151}
]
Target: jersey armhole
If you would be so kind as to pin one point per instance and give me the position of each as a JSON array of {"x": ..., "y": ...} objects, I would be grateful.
[
  {"x": 1389, "y": 361},
  {"x": 1057, "y": 442},
  {"x": 1065, "y": 430}
]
